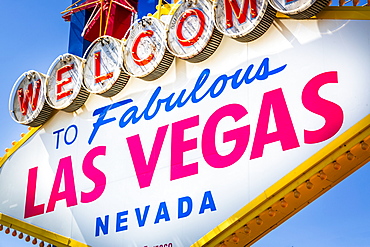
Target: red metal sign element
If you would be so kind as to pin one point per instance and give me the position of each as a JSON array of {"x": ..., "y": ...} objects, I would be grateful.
[{"x": 107, "y": 17}]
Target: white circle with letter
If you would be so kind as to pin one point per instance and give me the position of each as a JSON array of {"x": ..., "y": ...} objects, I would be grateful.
[
  {"x": 64, "y": 89},
  {"x": 191, "y": 34},
  {"x": 27, "y": 104},
  {"x": 243, "y": 20},
  {"x": 103, "y": 72},
  {"x": 145, "y": 52}
]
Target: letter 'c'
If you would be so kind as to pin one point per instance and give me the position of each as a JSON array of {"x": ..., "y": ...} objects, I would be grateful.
[{"x": 137, "y": 59}]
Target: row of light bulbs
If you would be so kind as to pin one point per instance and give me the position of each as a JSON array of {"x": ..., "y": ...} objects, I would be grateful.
[
  {"x": 21, "y": 235},
  {"x": 15, "y": 142}
]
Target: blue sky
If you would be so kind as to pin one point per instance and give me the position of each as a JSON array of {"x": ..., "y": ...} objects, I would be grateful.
[{"x": 34, "y": 34}]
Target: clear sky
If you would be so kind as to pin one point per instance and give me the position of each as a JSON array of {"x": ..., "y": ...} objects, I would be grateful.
[{"x": 33, "y": 34}]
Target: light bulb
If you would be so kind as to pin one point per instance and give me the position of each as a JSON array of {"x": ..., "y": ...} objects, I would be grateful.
[
  {"x": 272, "y": 212},
  {"x": 235, "y": 238},
  {"x": 297, "y": 194},
  {"x": 322, "y": 175},
  {"x": 247, "y": 230},
  {"x": 309, "y": 185},
  {"x": 283, "y": 203},
  {"x": 364, "y": 145},
  {"x": 259, "y": 221},
  {"x": 336, "y": 166},
  {"x": 350, "y": 156}
]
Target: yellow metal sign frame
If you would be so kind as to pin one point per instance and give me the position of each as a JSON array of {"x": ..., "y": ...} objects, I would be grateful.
[{"x": 340, "y": 13}]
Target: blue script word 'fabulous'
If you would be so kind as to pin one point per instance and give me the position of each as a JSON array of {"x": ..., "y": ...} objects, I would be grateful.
[{"x": 155, "y": 103}]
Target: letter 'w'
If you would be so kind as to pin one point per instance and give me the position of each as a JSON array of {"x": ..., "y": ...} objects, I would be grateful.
[
  {"x": 232, "y": 6},
  {"x": 30, "y": 96}
]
